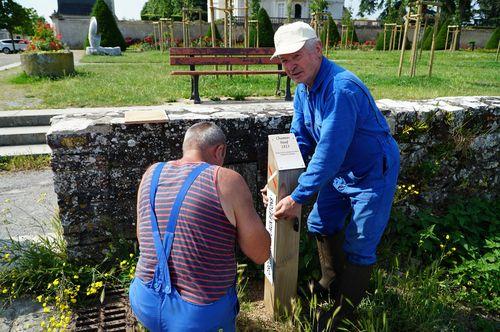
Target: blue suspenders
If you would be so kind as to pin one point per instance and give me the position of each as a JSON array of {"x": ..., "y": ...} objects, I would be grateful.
[{"x": 162, "y": 275}]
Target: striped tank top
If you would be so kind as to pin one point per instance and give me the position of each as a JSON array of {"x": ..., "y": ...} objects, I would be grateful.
[{"x": 202, "y": 261}]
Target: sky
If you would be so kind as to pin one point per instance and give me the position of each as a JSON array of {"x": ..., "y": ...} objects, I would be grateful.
[{"x": 124, "y": 9}]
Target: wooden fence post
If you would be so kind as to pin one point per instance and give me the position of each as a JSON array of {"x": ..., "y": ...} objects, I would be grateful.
[{"x": 285, "y": 164}]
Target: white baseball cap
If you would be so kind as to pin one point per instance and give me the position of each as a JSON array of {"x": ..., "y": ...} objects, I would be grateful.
[{"x": 290, "y": 38}]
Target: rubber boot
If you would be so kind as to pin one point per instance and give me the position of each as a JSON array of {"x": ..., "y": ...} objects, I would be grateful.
[
  {"x": 332, "y": 261},
  {"x": 353, "y": 285}
]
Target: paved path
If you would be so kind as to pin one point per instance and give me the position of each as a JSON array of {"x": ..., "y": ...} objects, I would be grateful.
[
  {"x": 27, "y": 204},
  {"x": 8, "y": 59}
]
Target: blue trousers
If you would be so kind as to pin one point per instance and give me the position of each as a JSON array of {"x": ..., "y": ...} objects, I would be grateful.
[
  {"x": 367, "y": 198},
  {"x": 158, "y": 311}
]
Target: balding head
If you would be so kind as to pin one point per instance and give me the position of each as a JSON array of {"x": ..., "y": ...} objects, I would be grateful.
[{"x": 202, "y": 136}]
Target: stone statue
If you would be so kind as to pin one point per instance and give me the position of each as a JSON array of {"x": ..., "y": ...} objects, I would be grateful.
[{"x": 95, "y": 42}]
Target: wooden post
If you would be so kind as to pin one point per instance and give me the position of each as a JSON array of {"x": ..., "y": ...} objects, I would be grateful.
[
  {"x": 212, "y": 21},
  {"x": 413, "y": 58},
  {"x": 498, "y": 51},
  {"x": 162, "y": 46},
  {"x": 155, "y": 39},
  {"x": 401, "y": 57},
  {"x": 385, "y": 33},
  {"x": 433, "y": 44},
  {"x": 281, "y": 270}
]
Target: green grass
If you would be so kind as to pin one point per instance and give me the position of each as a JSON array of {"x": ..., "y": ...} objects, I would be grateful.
[
  {"x": 143, "y": 78},
  {"x": 24, "y": 163}
]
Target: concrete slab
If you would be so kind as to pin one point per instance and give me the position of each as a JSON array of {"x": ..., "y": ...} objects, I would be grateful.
[
  {"x": 23, "y": 135},
  {"x": 24, "y": 150},
  {"x": 27, "y": 204}
]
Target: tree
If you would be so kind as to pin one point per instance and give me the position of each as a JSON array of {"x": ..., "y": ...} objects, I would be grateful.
[
  {"x": 489, "y": 12},
  {"x": 493, "y": 41},
  {"x": 153, "y": 10},
  {"x": 12, "y": 16},
  {"x": 318, "y": 6},
  {"x": 334, "y": 36},
  {"x": 254, "y": 8},
  {"x": 30, "y": 25},
  {"x": 461, "y": 9},
  {"x": 351, "y": 36},
  {"x": 107, "y": 27},
  {"x": 266, "y": 32}
]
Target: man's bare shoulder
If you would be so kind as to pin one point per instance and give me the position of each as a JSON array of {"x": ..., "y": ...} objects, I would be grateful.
[{"x": 229, "y": 179}]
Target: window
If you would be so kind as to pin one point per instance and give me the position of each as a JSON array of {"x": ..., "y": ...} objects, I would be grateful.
[
  {"x": 298, "y": 11},
  {"x": 281, "y": 9}
]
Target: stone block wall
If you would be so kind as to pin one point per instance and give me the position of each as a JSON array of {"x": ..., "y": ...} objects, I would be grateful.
[{"x": 449, "y": 146}]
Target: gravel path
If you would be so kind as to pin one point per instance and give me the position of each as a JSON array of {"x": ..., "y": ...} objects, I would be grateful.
[{"x": 27, "y": 204}]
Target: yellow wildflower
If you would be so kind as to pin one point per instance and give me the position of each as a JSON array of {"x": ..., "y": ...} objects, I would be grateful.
[
  {"x": 447, "y": 237},
  {"x": 39, "y": 298},
  {"x": 55, "y": 282}
]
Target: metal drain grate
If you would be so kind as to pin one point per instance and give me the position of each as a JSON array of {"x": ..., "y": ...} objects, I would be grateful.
[{"x": 114, "y": 314}]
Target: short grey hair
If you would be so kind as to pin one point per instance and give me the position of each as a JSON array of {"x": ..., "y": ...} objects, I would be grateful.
[
  {"x": 203, "y": 135},
  {"x": 310, "y": 44}
]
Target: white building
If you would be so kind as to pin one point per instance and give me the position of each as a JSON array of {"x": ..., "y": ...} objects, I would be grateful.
[{"x": 278, "y": 8}]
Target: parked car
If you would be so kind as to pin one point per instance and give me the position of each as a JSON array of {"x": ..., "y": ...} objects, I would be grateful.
[{"x": 19, "y": 45}]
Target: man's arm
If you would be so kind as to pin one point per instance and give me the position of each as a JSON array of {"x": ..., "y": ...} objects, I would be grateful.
[
  {"x": 336, "y": 135},
  {"x": 236, "y": 200},
  {"x": 304, "y": 139}
]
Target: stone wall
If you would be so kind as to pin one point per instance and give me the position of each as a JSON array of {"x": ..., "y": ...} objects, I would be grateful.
[
  {"x": 74, "y": 30},
  {"x": 449, "y": 146}
]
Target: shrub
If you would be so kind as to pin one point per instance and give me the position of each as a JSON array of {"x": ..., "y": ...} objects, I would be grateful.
[
  {"x": 45, "y": 39},
  {"x": 209, "y": 33},
  {"x": 493, "y": 41},
  {"x": 427, "y": 38},
  {"x": 107, "y": 27},
  {"x": 350, "y": 37},
  {"x": 334, "y": 35},
  {"x": 441, "y": 36},
  {"x": 266, "y": 32}
]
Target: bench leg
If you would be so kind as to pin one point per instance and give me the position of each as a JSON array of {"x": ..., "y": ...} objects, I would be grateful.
[
  {"x": 192, "y": 88},
  {"x": 288, "y": 94},
  {"x": 195, "y": 95},
  {"x": 278, "y": 86}
]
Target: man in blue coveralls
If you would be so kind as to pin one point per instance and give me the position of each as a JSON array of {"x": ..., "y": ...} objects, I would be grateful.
[{"x": 353, "y": 165}]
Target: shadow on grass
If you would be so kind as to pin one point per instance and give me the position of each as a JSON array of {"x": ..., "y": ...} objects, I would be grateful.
[{"x": 23, "y": 78}]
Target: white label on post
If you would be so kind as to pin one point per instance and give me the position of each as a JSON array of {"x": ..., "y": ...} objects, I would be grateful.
[
  {"x": 271, "y": 205},
  {"x": 286, "y": 151}
]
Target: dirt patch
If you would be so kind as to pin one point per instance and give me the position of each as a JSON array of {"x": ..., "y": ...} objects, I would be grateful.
[{"x": 253, "y": 315}]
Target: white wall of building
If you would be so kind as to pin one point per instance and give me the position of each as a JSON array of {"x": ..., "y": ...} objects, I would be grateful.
[{"x": 277, "y": 8}]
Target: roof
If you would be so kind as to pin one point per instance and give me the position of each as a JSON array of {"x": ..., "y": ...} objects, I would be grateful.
[{"x": 75, "y": 7}]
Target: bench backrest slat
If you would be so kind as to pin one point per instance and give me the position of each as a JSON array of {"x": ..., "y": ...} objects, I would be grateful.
[
  {"x": 223, "y": 61},
  {"x": 186, "y": 51}
]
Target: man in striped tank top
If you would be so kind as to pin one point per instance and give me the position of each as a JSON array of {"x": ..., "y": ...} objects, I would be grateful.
[{"x": 191, "y": 213}]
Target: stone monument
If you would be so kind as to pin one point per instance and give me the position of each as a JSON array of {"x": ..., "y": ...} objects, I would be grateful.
[{"x": 95, "y": 42}]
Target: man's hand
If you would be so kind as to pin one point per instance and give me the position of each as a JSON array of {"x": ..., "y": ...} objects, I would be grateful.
[
  {"x": 287, "y": 208},
  {"x": 263, "y": 192}
]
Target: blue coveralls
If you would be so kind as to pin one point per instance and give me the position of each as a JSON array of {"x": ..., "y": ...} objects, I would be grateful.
[
  {"x": 354, "y": 161},
  {"x": 157, "y": 304}
]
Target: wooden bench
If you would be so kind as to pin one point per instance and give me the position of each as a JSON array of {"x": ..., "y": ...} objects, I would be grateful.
[{"x": 197, "y": 56}]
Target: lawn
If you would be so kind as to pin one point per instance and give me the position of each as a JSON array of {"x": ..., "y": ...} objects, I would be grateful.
[{"x": 143, "y": 79}]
